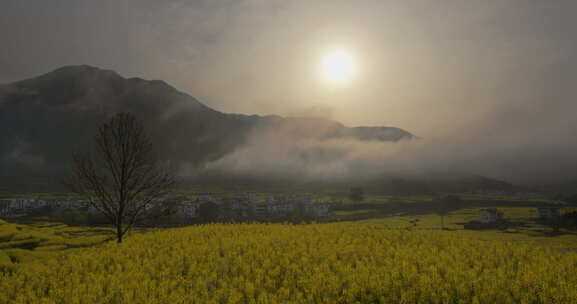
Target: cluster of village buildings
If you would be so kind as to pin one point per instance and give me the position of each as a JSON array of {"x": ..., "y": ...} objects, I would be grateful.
[
  {"x": 236, "y": 207},
  {"x": 250, "y": 206},
  {"x": 24, "y": 206}
]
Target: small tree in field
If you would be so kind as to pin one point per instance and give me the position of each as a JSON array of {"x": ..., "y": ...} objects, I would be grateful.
[
  {"x": 356, "y": 194},
  {"x": 123, "y": 179},
  {"x": 444, "y": 205}
]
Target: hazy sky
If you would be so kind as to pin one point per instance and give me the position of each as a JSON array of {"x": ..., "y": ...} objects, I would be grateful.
[{"x": 430, "y": 67}]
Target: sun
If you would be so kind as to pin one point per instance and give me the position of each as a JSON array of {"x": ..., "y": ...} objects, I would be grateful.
[{"x": 338, "y": 67}]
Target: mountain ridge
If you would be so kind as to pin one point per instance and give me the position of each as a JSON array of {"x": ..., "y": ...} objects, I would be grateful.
[{"x": 45, "y": 118}]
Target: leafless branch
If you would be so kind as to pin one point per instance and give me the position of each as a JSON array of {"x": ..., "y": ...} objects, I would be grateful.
[{"x": 123, "y": 178}]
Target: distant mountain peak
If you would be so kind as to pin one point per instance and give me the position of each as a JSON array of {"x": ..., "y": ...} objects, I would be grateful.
[
  {"x": 87, "y": 88},
  {"x": 79, "y": 71},
  {"x": 93, "y": 76},
  {"x": 80, "y": 68}
]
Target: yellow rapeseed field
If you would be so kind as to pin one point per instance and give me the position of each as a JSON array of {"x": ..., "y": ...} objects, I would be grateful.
[{"x": 319, "y": 263}]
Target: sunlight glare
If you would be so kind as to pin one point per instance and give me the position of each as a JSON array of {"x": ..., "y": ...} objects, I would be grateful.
[{"x": 338, "y": 67}]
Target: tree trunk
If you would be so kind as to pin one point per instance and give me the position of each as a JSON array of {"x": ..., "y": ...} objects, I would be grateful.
[{"x": 119, "y": 232}]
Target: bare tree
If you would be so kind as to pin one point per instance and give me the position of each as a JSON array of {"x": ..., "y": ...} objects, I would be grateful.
[
  {"x": 444, "y": 205},
  {"x": 356, "y": 194},
  {"x": 123, "y": 179}
]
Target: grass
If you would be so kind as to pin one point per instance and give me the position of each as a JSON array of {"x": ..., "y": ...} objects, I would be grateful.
[
  {"x": 524, "y": 227},
  {"x": 23, "y": 243}
]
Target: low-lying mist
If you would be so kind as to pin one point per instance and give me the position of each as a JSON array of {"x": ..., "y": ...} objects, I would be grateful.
[{"x": 519, "y": 145}]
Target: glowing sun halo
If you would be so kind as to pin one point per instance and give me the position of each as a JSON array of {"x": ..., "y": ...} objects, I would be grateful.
[{"x": 338, "y": 67}]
